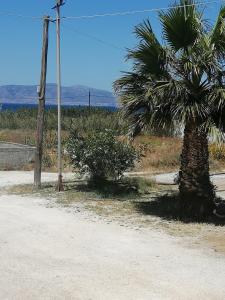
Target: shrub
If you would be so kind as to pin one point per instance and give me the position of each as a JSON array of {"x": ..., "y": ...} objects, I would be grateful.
[
  {"x": 140, "y": 184},
  {"x": 101, "y": 154}
]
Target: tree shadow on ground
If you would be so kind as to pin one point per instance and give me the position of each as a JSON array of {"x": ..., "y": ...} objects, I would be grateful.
[
  {"x": 121, "y": 190},
  {"x": 167, "y": 207},
  {"x": 111, "y": 189}
]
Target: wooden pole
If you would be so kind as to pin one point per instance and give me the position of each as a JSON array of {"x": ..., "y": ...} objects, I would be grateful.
[{"x": 41, "y": 106}]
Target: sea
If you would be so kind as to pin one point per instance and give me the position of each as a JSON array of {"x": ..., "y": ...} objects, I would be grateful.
[{"x": 18, "y": 106}]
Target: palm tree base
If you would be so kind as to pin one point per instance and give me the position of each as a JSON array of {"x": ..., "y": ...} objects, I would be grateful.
[{"x": 196, "y": 206}]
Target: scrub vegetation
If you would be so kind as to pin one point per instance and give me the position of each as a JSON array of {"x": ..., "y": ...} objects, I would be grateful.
[{"x": 160, "y": 150}]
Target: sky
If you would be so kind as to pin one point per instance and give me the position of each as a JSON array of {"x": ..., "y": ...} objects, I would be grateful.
[{"x": 93, "y": 50}]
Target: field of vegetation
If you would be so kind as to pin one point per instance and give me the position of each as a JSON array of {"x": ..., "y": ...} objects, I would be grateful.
[{"x": 160, "y": 151}]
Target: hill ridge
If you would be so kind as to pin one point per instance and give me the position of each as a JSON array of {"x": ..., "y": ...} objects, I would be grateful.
[{"x": 71, "y": 95}]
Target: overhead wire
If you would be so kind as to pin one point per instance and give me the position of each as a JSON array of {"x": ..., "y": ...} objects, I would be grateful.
[
  {"x": 125, "y": 13},
  {"x": 113, "y": 14},
  {"x": 88, "y": 35},
  {"x": 12, "y": 14}
]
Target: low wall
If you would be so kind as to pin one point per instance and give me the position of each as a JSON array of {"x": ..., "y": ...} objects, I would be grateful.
[{"x": 15, "y": 156}]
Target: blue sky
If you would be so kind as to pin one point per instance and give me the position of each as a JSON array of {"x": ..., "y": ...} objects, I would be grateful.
[{"x": 85, "y": 60}]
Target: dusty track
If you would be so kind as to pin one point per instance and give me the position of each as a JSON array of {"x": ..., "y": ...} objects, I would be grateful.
[{"x": 48, "y": 253}]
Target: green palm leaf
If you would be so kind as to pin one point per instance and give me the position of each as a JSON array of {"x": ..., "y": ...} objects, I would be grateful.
[
  {"x": 218, "y": 34},
  {"x": 181, "y": 25}
]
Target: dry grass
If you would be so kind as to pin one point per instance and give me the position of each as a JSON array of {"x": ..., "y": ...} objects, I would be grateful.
[
  {"x": 160, "y": 154},
  {"x": 17, "y": 136}
]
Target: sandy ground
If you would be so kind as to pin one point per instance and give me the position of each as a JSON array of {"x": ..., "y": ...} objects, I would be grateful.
[
  {"x": 10, "y": 178},
  {"x": 48, "y": 253}
]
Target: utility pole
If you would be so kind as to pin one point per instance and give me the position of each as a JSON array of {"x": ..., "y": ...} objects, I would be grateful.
[
  {"x": 57, "y": 7},
  {"x": 89, "y": 101},
  {"x": 41, "y": 106}
]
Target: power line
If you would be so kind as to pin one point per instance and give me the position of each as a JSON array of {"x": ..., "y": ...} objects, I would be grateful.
[
  {"x": 123, "y": 13},
  {"x": 126, "y": 13},
  {"x": 11, "y": 14},
  {"x": 92, "y": 37}
]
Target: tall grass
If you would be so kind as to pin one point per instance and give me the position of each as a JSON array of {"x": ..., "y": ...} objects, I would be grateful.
[
  {"x": 20, "y": 127},
  {"x": 160, "y": 153},
  {"x": 78, "y": 118}
]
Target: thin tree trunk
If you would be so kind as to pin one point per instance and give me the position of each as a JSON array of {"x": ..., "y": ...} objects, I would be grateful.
[{"x": 196, "y": 190}]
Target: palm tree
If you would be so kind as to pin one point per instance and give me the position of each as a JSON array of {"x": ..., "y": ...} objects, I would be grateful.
[{"x": 180, "y": 82}]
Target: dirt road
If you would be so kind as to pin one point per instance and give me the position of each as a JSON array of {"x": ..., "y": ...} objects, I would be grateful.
[{"x": 48, "y": 253}]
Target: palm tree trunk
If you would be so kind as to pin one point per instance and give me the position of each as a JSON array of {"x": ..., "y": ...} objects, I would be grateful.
[{"x": 196, "y": 190}]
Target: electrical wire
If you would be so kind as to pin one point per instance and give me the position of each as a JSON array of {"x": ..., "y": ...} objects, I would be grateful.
[
  {"x": 120, "y": 14},
  {"x": 109, "y": 44},
  {"x": 10, "y": 14},
  {"x": 126, "y": 13}
]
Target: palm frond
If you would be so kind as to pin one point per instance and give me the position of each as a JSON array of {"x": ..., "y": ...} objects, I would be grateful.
[
  {"x": 184, "y": 81},
  {"x": 181, "y": 25},
  {"x": 149, "y": 56},
  {"x": 218, "y": 34}
]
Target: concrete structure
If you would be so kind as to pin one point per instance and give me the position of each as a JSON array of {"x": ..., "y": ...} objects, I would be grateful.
[{"x": 15, "y": 156}]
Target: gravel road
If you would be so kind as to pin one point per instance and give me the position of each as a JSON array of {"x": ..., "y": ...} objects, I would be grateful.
[{"x": 48, "y": 253}]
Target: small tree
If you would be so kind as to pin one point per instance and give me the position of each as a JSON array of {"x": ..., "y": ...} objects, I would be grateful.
[{"x": 101, "y": 155}]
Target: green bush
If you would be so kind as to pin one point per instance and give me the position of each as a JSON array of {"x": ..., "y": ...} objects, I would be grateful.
[{"x": 101, "y": 155}]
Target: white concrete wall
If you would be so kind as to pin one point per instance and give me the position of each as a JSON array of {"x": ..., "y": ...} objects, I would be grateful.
[{"x": 15, "y": 156}]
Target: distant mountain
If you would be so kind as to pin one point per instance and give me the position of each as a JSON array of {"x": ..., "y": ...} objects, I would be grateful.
[{"x": 71, "y": 95}]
